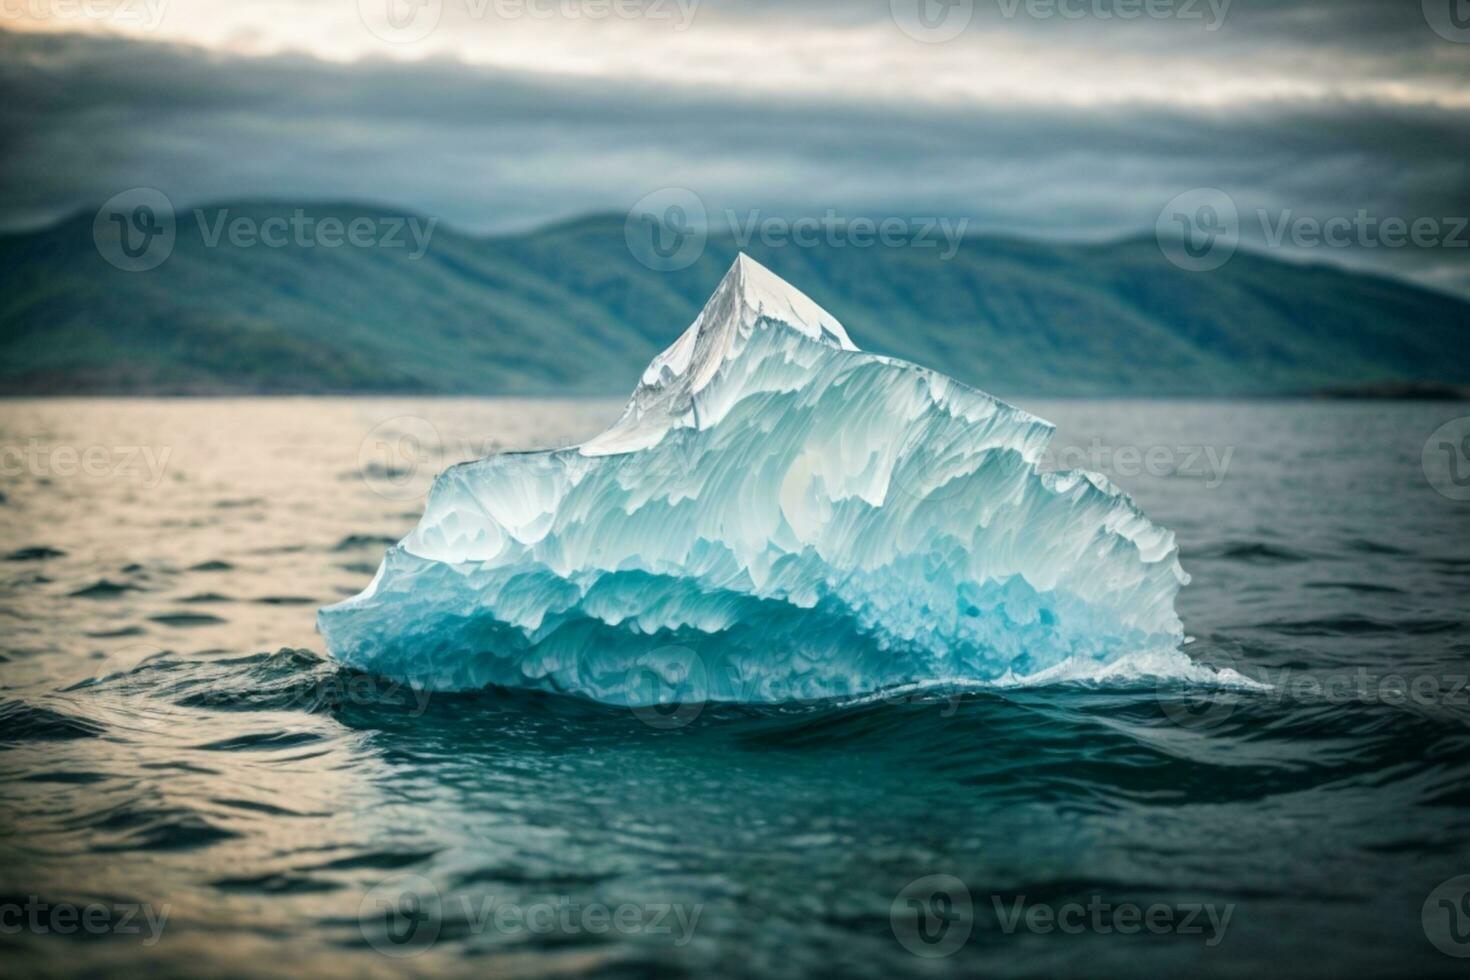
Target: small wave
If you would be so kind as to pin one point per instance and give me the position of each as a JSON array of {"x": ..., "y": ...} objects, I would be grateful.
[
  {"x": 1253, "y": 552},
  {"x": 1363, "y": 587},
  {"x": 261, "y": 742},
  {"x": 105, "y": 589},
  {"x": 1360, "y": 625},
  {"x": 38, "y": 553},
  {"x": 212, "y": 566},
  {"x": 137, "y": 828},
  {"x": 379, "y": 860},
  {"x": 354, "y": 541},
  {"x": 275, "y": 884},
  {"x": 1369, "y": 547},
  {"x": 21, "y": 722},
  {"x": 243, "y": 502},
  {"x": 187, "y": 619},
  {"x": 1146, "y": 668}
]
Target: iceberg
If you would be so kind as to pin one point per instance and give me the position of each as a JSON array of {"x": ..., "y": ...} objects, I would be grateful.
[{"x": 775, "y": 516}]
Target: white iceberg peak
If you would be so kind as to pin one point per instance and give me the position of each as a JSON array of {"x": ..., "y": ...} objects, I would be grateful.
[
  {"x": 768, "y": 295},
  {"x": 750, "y": 294},
  {"x": 748, "y": 298}
]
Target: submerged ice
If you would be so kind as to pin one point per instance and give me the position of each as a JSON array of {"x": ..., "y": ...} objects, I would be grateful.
[{"x": 776, "y": 515}]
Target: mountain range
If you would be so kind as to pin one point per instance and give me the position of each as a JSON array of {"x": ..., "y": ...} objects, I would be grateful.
[{"x": 568, "y": 309}]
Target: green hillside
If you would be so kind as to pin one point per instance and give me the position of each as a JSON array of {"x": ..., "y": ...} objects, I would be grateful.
[{"x": 567, "y": 309}]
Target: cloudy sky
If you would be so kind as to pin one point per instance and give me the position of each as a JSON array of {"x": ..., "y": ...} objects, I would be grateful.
[{"x": 1076, "y": 119}]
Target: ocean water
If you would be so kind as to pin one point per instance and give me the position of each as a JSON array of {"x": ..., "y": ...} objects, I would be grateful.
[{"x": 188, "y": 787}]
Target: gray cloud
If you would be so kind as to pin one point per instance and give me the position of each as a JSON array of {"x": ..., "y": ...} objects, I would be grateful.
[{"x": 87, "y": 116}]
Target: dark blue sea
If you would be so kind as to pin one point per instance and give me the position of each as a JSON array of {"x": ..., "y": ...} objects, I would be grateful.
[{"x": 189, "y": 787}]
